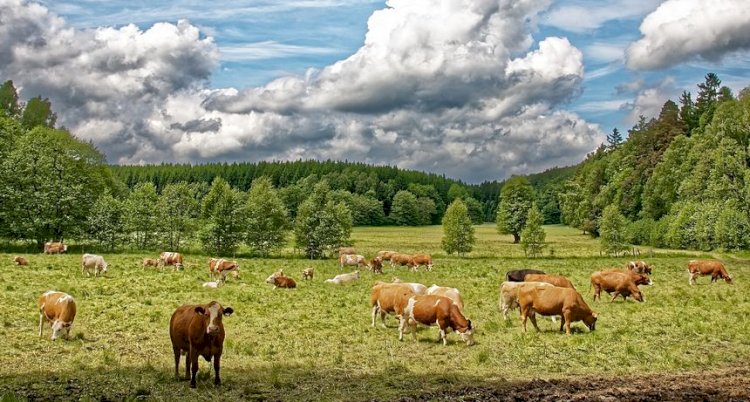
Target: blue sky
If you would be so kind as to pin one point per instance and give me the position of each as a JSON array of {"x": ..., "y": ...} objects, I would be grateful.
[{"x": 476, "y": 89}]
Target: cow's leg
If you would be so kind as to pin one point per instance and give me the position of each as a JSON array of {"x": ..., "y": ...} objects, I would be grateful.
[
  {"x": 562, "y": 322},
  {"x": 188, "y": 366},
  {"x": 194, "y": 365},
  {"x": 566, "y": 317},
  {"x": 505, "y": 308},
  {"x": 217, "y": 367},
  {"x": 176, "y": 363},
  {"x": 443, "y": 337},
  {"x": 524, "y": 316},
  {"x": 41, "y": 322},
  {"x": 382, "y": 318},
  {"x": 375, "y": 311},
  {"x": 617, "y": 293},
  {"x": 533, "y": 321},
  {"x": 401, "y": 327}
]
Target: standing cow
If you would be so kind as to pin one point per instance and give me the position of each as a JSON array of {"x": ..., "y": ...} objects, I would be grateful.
[
  {"x": 93, "y": 262},
  {"x": 59, "y": 309},
  {"x": 714, "y": 268},
  {"x": 353, "y": 259},
  {"x": 171, "y": 258},
  {"x": 220, "y": 267},
  {"x": 55, "y": 248},
  {"x": 432, "y": 309}
]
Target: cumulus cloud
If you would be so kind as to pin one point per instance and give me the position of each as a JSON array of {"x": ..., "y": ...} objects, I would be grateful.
[
  {"x": 681, "y": 30},
  {"x": 588, "y": 15},
  {"x": 459, "y": 88},
  {"x": 649, "y": 99}
]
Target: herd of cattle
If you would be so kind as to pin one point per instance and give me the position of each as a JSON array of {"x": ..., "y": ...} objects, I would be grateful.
[{"x": 197, "y": 330}]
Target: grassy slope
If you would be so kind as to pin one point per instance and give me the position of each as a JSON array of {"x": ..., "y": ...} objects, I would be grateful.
[{"x": 315, "y": 342}]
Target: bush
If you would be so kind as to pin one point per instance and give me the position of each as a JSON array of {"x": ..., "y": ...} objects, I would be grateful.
[
  {"x": 640, "y": 231},
  {"x": 533, "y": 235},
  {"x": 458, "y": 234},
  {"x": 612, "y": 229},
  {"x": 732, "y": 229}
]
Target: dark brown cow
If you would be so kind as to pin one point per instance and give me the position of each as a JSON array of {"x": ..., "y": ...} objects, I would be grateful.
[
  {"x": 557, "y": 280},
  {"x": 197, "y": 330},
  {"x": 220, "y": 267},
  {"x": 619, "y": 283},
  {"x": 714, "y": 268},
  {"x": 640, "y": 267},
  {"x": 59, "y": 309},
  {"x": 518, "y": 275},
  {"x": 55, "y": 248},
  {"x": 171, "y": 258},
  {"x": 564, "y": 302},
  {"x": 18, "y": 260},
  {"x": 432, "y": 309},
  {"x": 389, "y": 298},
  {"x": 376, "y": 264}
]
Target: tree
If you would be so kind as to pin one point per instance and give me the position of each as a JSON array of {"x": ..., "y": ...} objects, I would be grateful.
[
  {"x": 458, "y": 234},
  {"x": 179, "y": 210},
  {"x": 9, "y": 105},
  {"x": 321, "y": 223},
  {"x": 106, "y": 224},
  {"x": 267, "y": 217},
  {"x": 615, "y": 139},
  {"x": 404, "y": 209},
  {"x": 457, "y": 191},
  {"x": 476, "y": 211},
  {"x": 516, "y": 198},
  {"x": 613, "y": 231},
  {"x": 426, "y": 209},
  {"x": 223, "y": 214},
  {"x": 141, "y": 215},
  {"x": 38, "y": 112},
  {"x": 533, "y": 235}
]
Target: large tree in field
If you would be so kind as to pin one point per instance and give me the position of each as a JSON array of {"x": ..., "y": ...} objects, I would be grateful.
[
  {"x": 321, "y": 224},
  {"x": 224, "y": 219},
  {"x": 178, "y": 210},
  {"x": 516, "y": 198},
  {"x": 405, "y": 209},
  {"x": 533, "y": 235},
  {"x": 458, "y": 234},
  {"x": 613, "y": 231},
  {"x": 267, "y": 217}
]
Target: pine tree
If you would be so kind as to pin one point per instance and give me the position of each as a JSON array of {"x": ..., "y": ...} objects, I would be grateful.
[
  {"x": 458, "y": 234},
  {"x": 615, "y": 139},
  {"x": 533, "y": 235}
]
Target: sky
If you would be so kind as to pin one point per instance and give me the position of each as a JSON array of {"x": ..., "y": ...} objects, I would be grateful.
[{"x": 473, "y": 89}]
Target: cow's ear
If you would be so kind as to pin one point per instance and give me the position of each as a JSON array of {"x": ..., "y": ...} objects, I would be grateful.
[
  {"x": 200, "y": 311},
  {"x": 228, "y": 311}
]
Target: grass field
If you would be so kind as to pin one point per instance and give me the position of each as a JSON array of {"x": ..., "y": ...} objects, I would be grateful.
[{"x": 316, "y": 343}]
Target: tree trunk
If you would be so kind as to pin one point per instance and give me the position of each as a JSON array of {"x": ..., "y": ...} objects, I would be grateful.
[{"x": 516, "y": 238}]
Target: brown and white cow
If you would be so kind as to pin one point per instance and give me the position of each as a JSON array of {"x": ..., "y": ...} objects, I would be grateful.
[
  {"x": 221, "y": 267},
  {"x": 352, "y": 260},
  {"x": 93, "y": 262},
  {"x": 344, "y": 278},
  {"x": 389, "y": 298},
  {"x": 386, "y": 255},
  {"x": 150, "y": 262},
  {"x": 55, "y": 247},
  {"x": 279, "y": 280},
  {"x": 432, "y": 309},
  {"x": 171, "y": 258},
  {"x": 308, "y": 273},
  {"x": 451, "y": 293},
  {"x": 557, "y": 280},
  {"x": 422, "y": 259},
  {"x": 714, "y": 268},
  {"x": 418, "y": 288},
  {"x": 59, "y": 309},
  {"x": 640, "y": 267},
  {"x": 197, "y": 330},
  {"x": 565, "y": 302},
  {"x": 639, "y": 279},
  {"x": 403, "y": 260},
  {"x": 376, "y": 265},
  {"x": 619, "y": 283},
  {"x": 18, "y": 260},
  {"x": 509, "y": 294}
]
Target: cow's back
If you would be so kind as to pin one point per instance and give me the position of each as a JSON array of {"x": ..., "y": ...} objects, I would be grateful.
[
  {"x": 545, "y": 300},
  {"x": 705, "y": 267},
  {"x": 556, "y": 280},
  {"x": 391, "y": 297},
  {"x": 57, "y": 305}
]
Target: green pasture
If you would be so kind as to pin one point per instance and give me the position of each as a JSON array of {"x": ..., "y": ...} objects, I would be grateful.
[{"x": 316, "y": 343}]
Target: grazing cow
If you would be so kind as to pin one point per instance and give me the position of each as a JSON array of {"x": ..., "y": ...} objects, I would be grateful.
[
  {"x": 557, "y": 280},
  {"x": 376, "y": 264},
  {"x": 308, "y": 273},
  {"x": 451, "y": 293},
  {"x": 714, "y": 268},
  {"x": 386, "y": 255},
  {"x": 346, "y": 250},
  {"x": 639, "y": 267},
  {"x": 433, "y": 309},
  {"x": 344, "y": 278},
  {"x": 418, "y": 288},
  {"x": 197, "y": 330},
  {"x": 403, "y": 259},
  {"x": 565, "y": 302},
  {"x": 279, "y": 280},
  {"x": 620, "y": 283},
  {"x": 422, "y": 259},
  {"x": 59, "y": 309},
  {"x": 55, "y": 248},
  {"x": 509, "y": 294},
  {"x": 518, "y": 275},
  {"x": 352, "y": 259},
  {"x": 389, "y": 298},
  {"x": 213, "y": 284},
  {"x": 18, "y": 260},
  {"x": 639, "y": 279},
  {"x": 220, "y": 267},
  {"x": 150, "y": 262},
  {"x": 171, "y": 258},
  {"x": 93, "y": 262}
]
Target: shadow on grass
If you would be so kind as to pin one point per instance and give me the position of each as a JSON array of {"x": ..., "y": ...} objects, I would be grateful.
[{"x": 281, "y": 382}]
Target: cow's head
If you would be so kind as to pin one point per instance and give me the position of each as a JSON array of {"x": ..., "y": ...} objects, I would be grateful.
[
  {"x": 179, "y": 267},
  {"x": 214, "y": 311},
  {"x": 590, "y": 321},
  {"x": 468, "y": 334},
  {"x": 636, "y": 293},
  {"x": 105, "y": 266},
  {"x": 65, "y": 248},
  {"x": 60, "y": 328},
  {"x": 728, "y": 279},
  {"x": 272, "y": 278}
]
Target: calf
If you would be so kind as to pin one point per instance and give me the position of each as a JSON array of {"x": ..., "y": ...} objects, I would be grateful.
[
  {"x": 433, "y": 309},
  {"x": 389, "y": 298},
  {"x": 344, "y": 278},
  {"x": 518, "y": 275},
  {"x": 93, "y": 262},
  {"x": 714, "y": 268},
  {"x": 451, "y": 293},
  {"x": 509, "y": 294},
  {"x": 18, "y": 260},
  {"x": 620, "y": 283},
  {"x": 422, "y": 259},
  {"x": 376, "y": 264},
  {"x": 308, "y": 273},
  {"x": 59, "y": 309},
  {"x": 279, "y": 280},
  {"x": 55, "y": 248},
  {"x": 220, "y": 267},
  {"x": 150, "y": 262},
  {"x": 197, "y": 330},
  {"x": 557, "y": 280},
  {"x": 403, "y": 259},
  {"x": 418, "y": 288},
  {"x": 565, "y": 302},
  {"x": 639, "y": 267},
  {"x": 171, "y": 258}
]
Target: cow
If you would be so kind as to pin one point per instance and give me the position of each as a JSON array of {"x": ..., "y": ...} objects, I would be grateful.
[
  {"x": 55, "y": 248},
  {"x": 171, "y": 258},
  {"x": 150, "y": 262},
  {"x": 308, "y": 273},
  {"x": 403, "y": 259},
  {"x": 18, "y": 260},
  {"x": 565, "y": 302},
  {"x": 220, "y": 267},
  {"x": 639, "y": 267},
  {"x": 639, "y": 279},
  {"x": 422, "y": 259},
  {"x": 389, "y": 298},
  {"x": 59, "y": 309},
  {"x": 433, "y": 309},
  {"x": 557, "y": 280},
  {"x": 279, "y": 280},
  {"x": 344, "y": 278},
  {"x": 352, "y": 259},
  {"x": 386, "y": 255},
  {"x": 346, "y": 250},
  {"x": 509, "y": 294},
  {"x": 451, "y": 293},
  {"x": 620, "y": 283},
  {"x": 714, "y": 268},
  {"x": 93, "y": 262},
  {"x": 213, "y": 284},
  {"x": 518, "y": 275},
  {"x": 376, "y": 265},
  {"x": 197, "y": 330},
  {"x": 418, "y": 288}
]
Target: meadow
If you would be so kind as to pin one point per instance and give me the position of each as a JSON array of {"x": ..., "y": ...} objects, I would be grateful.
[{"x": 316, "y": 343}]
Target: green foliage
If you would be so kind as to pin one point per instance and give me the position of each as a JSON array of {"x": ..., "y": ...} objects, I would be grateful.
[
  {"x": 106, "y": 223},
  {"x": 142, "y": 215},
  {"x": 613, "y": 231},
  {"x": 732, "y": 229},
  {"x": 38, "y": 112},
  {"x": 533, "y": 235},
  {"x": 614, "y": 139},
  {"x": 458, "y": 234},
  {"x": 223, "y": 213},
  {"x": 9, "y": 106},
  {"x": 178, "y": 209},
  {"x": 682, "y": 231},
  {"x": 476, "y": 212},
  {"x": 639, "y": 232},
  {"x": 267, "y": 219},
  {"x": 516, "y": 199},
  {"x": 321, "y": 224},
  {"x": 405, "y": 209}
]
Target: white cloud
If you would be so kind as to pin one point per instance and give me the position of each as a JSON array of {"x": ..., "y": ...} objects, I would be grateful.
[
  {"x": 269, "y": 50},
  {"x": 649, "y": 100},
  {"x": 681, "y": 30},
  {"x": 588, "y": 15}
]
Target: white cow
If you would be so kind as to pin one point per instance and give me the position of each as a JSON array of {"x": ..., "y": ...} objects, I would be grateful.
[
  {"x": 93, "y": 262},
  {"x": 353, "y": 259},
  {"x": 451, "y": 293},
  {"x": 344, "y": 278}
]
